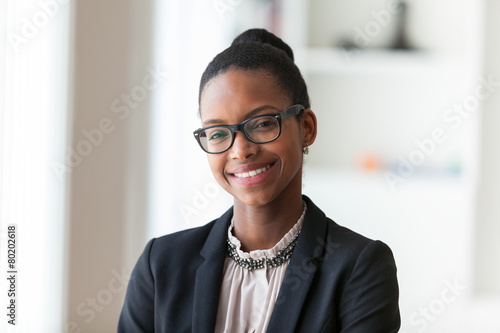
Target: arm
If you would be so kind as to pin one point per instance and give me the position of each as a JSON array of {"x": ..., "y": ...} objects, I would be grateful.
[
  {"x": 138, "y": 309},
  {"x": 369, "y": 302}
]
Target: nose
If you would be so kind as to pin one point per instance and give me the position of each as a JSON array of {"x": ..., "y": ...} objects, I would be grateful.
[{"x": 242, "y": 149}]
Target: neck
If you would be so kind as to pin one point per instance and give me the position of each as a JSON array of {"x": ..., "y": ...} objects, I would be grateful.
[{"x": 261, "y": 227}]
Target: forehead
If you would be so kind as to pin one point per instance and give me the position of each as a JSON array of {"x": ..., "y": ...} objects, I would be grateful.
[{"x": 236, "y": 92}]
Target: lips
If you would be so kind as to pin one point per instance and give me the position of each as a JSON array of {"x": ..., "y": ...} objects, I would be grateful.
[{"x": 252, "y": 173}]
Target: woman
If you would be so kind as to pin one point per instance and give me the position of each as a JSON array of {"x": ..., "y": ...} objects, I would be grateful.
[{"x": 273, "y": 262}]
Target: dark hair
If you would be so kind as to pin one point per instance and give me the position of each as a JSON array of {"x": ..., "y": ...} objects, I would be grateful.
[{"x": 258, "y": 49}]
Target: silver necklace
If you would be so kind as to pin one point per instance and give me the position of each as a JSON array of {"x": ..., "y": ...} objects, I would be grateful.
[{"x": 280, "y": 258}]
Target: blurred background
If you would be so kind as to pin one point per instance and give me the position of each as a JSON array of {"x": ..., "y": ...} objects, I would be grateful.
[{"x": 98, "y": 102}]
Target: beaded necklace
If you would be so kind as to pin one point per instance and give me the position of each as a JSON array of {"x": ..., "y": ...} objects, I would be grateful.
[{"x": 280, "y": 258}]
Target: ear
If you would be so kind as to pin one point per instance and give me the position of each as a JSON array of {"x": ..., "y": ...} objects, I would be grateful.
[{"x": 309, "y": 128}]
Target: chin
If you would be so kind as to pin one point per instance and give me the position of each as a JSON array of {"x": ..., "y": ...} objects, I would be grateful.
[{"x": 254, "y": 199}]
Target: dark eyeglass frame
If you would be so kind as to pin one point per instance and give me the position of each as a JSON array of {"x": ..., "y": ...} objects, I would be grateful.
[{"x": 292, "y": 111}]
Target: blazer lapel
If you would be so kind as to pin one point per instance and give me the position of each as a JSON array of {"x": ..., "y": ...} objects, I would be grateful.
[
  {"x": 300, "y": 272},
  {"x": 209, "y": 276}
]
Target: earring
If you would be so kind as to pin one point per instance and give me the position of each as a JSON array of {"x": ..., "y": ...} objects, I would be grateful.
[{"x": 305, "y": 150}]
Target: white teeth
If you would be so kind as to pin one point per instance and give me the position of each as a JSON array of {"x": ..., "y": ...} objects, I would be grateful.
[{"x": 252, "y": 173}]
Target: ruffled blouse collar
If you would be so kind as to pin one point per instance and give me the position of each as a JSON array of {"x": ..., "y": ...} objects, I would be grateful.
[{"x": 259, "y": 254}]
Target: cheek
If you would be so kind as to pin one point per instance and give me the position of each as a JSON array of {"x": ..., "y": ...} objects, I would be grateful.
[
  {"x": 290, "y": 151},
  {"x": 294, "y": 150},
  {"x": 216, "y": 163},
  {"x": 295, "y": 157},
  {"x": 292, "y": 142}
]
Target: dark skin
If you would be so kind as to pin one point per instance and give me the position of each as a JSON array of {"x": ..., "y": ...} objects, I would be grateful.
[{"x": 268, "y": 205}]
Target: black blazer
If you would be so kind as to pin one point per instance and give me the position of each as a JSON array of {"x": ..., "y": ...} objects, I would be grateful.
[{"x": 336, "y": 281}]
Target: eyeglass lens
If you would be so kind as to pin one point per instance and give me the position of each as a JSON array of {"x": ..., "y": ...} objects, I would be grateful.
[{"x": 258, "y": 130}]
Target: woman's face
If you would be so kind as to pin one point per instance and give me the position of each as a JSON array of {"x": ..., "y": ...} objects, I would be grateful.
[{"x": 233, "y": 97}]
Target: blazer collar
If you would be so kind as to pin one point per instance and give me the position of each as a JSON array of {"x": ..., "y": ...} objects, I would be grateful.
[
  {"x": 301, "y": 270},
  {"x": 209, "y": 276},
  {"x": 296, "y": 283}
]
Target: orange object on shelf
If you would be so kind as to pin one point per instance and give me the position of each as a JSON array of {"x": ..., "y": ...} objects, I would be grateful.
[{"x": 369, "y": 162}]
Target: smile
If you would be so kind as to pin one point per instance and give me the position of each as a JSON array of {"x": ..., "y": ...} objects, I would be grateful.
[{"x": 252, "y": 173}]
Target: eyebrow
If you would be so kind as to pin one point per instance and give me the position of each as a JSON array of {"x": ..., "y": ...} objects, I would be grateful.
[{"x": 250, "y": 114}]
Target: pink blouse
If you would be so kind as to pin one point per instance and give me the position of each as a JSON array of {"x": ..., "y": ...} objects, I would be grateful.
[{"x": 247, "y": 297}]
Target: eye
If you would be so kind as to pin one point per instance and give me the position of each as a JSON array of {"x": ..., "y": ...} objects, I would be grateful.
[
  {"x": 263, "y": 124},
  {"x": 217, "y": 135}
]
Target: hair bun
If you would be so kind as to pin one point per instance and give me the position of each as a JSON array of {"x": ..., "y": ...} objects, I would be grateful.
[{"x": 265, "y": 37}]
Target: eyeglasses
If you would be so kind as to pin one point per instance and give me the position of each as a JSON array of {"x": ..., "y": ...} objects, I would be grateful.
[{"x": 260, "y": 129}]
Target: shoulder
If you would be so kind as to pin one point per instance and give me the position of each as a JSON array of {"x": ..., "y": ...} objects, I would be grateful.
[
  {"x": 180, "y": 239},
  {"x": 340, "y": 245},
  {"x": 180, "y": 246},
  {"x": 351, "y": 246},
  {"x": 187, "y": 247},
  {"x": 165, "y": 274},
  {"x": 367, "y": 278},
  {"x": 349, "y": 241}
]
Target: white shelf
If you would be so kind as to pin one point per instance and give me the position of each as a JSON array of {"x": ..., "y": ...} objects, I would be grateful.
[{"x": 337, "y": 60}]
